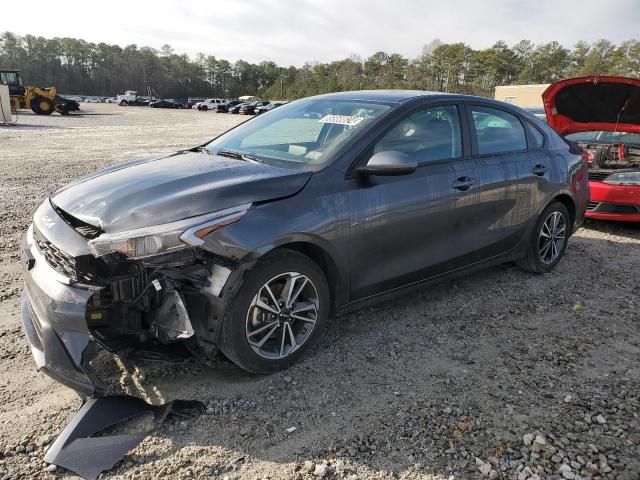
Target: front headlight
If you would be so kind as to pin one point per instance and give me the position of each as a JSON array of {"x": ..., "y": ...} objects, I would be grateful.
[
  {"x": 623, "y": 178},
  {"x": 157, "y": 239}
]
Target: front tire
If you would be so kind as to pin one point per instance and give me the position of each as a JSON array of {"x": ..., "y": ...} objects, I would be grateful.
[
  {"x": 124, "y": 103},
  {"x": 42, "y": 105},
  {"x": 277, "y": 315},
  {"x": 548, "y": 240}
]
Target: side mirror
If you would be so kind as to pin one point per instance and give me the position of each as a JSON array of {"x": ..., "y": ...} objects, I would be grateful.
[{"x": 389, "y": 162}]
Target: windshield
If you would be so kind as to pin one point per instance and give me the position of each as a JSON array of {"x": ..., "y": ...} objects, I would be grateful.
[
  {"x": 299, "y": 134},
  {"x": 605, "y": 137}
]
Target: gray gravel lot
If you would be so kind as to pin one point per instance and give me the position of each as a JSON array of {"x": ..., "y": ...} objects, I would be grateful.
[{"x": 502, "y": 374}]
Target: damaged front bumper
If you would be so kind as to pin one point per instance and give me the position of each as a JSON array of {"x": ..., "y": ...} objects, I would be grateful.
[
  {"x": 54, "y": 320},
  {"x": 74, "y": 304}
]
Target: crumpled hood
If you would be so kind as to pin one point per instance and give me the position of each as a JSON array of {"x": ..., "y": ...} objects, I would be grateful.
[
  {"x": 593, "y": 103},
  {"x": 166, "y": 189}
]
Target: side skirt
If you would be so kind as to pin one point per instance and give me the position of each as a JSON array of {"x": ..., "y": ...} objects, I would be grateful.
[{"x": 415, "y": 286}]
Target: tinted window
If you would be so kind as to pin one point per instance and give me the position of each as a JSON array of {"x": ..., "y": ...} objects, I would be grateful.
[
  {"x": 426, "y": 135},
  {"x": 537, "y": 138},
  {"x": 498, "y": 131}
]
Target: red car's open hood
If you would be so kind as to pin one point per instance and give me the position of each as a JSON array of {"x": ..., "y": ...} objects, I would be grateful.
[{"x": 593, "y": 103}]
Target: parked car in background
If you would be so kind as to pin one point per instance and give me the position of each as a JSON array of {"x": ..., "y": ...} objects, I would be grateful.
[
  {"x": 70, "y": 105},
  {"x": 209, "y": 104},
  {"x": 602, "y": 114},
  {"x": 193, "y": 101},
  {"x": 165, "y": 103},
  {"x": 236, "y": 108},
  {"x": 250, "y": 108},
  {"x": 181, "y": 102},
  {"x": 131, "y": 97},
  {"x": 224, "y": 107},
  {"x": 111, "y": 100},
  {"x": 252, "y": 241},
  {"x": 92, "y": 100},
  {"x": 269, "y": 106}
]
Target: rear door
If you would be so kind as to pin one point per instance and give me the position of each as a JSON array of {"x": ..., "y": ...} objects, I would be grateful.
[{"x": 505, "y": 180}]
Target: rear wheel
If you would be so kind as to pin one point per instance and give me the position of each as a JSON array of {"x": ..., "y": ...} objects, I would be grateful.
[
  {"x": 42, "y": 105},
  {"x": 548, "y": 240},
  {"x": 278, "y": 313},
  {"x": 123, "y": 103}
]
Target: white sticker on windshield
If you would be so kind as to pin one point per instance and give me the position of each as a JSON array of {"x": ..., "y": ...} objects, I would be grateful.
[{"x": 341, "y": 119}]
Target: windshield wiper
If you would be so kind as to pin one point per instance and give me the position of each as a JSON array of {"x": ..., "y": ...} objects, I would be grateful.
[
  {"x": 237, "y": 155},
  {"x": 201, "y": 149}
]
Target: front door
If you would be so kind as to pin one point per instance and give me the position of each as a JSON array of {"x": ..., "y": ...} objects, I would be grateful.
[{"x": 402, "y": 227}]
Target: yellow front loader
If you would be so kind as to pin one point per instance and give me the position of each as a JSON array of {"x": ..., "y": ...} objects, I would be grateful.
[{"x": 41, "y": 100}]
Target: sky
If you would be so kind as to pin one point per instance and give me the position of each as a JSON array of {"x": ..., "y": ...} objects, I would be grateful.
[{"x": 292, "y": 32}]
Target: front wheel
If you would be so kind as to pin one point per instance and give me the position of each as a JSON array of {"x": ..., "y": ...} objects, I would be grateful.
[
  {"x": 42, "y": 105},
  {"x": 124, "y": 103},
  {"x": 548, "y": 241},
  {"x": 278, "y": 313}
]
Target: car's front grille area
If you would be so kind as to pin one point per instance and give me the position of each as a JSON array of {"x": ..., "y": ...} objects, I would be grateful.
[
  {"x": 604, "y": 207},
  {"x": 617, "y": 208},
  {"x": 60, "y": 261},
  {"x": 598, "y": 176}
]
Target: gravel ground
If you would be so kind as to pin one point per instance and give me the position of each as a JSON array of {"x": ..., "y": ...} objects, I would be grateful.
[{"x": 501, "y": 374}]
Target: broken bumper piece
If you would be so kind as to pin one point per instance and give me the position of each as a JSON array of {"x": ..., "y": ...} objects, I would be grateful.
[{"x": 78, "y": 450}]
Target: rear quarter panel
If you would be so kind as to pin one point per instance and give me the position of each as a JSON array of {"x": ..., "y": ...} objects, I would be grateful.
[{"x": 573, "y": 172}]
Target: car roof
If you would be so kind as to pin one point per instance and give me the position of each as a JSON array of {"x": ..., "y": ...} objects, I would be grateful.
[{"x": 393, "y": 96}]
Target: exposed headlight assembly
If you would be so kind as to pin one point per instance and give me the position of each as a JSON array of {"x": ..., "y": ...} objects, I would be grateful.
[
  {"x": 157, "y": 239},
  {"x": 623, "y": 178}
]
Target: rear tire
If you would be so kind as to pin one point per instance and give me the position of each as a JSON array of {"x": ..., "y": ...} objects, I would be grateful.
[
  {"x": 123, "y": 103},
  {"x": 286, "y": 335},
  {"x": 42, "y": 105},
  {"x": 548, "y": 241}
]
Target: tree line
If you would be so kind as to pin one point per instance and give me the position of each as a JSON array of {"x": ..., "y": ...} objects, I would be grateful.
[{"x": 76, "y": 66}]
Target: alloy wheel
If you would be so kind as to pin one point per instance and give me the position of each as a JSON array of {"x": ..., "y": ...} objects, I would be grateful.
[
  {"x": 282, "y": 315},
  {"x": 553, "y": 235}
]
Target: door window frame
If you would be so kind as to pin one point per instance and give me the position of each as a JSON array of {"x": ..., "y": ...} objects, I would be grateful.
[
  {"x": 530, "y": 140},
  {"x": 523, "y": 121},
  {"x": 465, "y": 138}
]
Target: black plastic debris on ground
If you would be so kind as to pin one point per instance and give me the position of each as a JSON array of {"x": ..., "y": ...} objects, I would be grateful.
[{"x": 78, "y": 450}]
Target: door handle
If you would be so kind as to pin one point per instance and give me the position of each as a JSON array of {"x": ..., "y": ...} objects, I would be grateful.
[
  {"x": 539, "y": 170},
  {"x": 463, "y": 184}
]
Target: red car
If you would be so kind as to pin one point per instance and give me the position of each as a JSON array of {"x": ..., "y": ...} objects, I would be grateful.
[{"x": 602, "y": 115}]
